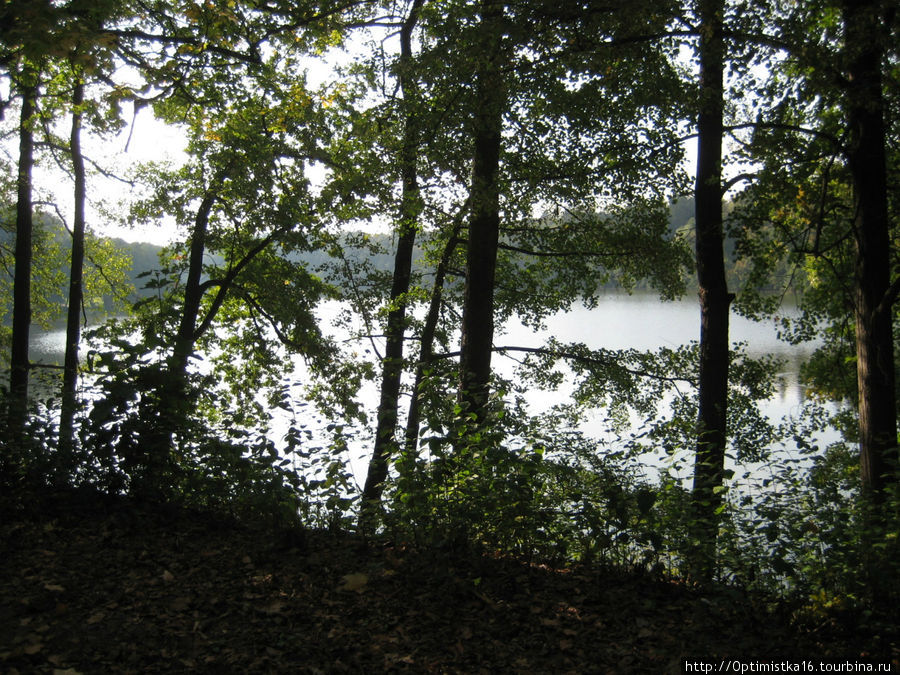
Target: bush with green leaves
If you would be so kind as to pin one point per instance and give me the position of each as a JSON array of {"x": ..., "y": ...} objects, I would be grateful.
[
  {"x": 319, "y": 459},
  {"x": 526, "y": 486},
  {"x": 30, "y": 461},
  {"x": 805, "y": 533},
  {"x": 203, "y": 464}
]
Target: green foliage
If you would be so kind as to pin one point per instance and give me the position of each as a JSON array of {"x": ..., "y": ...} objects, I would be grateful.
[
  {"x": 565, "y": 257},
  {"x": 48, "y": 276},
  {"x": 802, "y": 532},
  {"x": 210, "y": 446},
  {"x": 220, "y": 465},
  {"x": 524, "y": 486},
  {"x": 105, "y": 282},
  {"x": 29, "y": 462},
  {"x": 326, "y": 487}
]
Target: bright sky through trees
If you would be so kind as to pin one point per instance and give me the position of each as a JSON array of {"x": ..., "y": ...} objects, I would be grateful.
[
  {"x": 143, "y": 139},
  {"x": 147, "y": 139}
]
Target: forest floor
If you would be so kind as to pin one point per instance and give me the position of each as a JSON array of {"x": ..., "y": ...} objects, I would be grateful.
[{"x": 108, "y": 588}]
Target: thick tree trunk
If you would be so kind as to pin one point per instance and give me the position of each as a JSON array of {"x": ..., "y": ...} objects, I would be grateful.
[
  {"x": 76, "y": 291},
  {"x": 484, "y": 226},
  {"x": 410, "y": 209},
  {"x": 868, "y": 168},
  {"x": 19, "y": 364},
  {"x": 714, "y": 297}
]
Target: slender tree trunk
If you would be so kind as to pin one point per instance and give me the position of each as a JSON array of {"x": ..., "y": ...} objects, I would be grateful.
[
  {"x": 76, "y": 291},
  {"x": 426, "y": 348},
  {"x": 183, "y": 346},
  {"x": 171, "y": 389},
  {"x": 714, "y": 297},
  {"x": 410, "y": 209},
  {"x": 484, "y": 226},
  {"x": 19, "y": 364},
  {"x": 868, "y": 168}
]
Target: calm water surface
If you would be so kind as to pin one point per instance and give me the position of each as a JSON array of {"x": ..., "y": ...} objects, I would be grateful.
[{"x": 619, "y": 321}]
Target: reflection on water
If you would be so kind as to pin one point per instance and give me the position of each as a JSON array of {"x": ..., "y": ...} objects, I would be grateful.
[
  {"x": 643, "y": 322},
  {"x": 620, "y": 321},
  {"x": 47, "y": 347}
]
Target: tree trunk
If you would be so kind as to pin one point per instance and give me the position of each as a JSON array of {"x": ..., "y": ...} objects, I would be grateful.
[
  {"x": 19, "y": 364},
  {"x": 76, "y": 290},
  {"x": 484, "y": 226},
  {"x": 715, "y": 300},
  {"x": 183, "y": 346},
  {"x": 171, "y": 389},
  {"x": 867, "y": 163},
  {"x": 426, "y": 348},
  {"x": 410, "y": 209}
]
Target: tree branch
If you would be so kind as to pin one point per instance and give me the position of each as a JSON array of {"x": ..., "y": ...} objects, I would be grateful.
[
  {"x": 787, "y": 127},
  {"x": 580, "y": 358},
  {"x": 225, "y": 283},
  {"x": 737, "y": 179},
  {"x": 560, "y": 254},
  {"x": 593, "y": 361},
  {"x": 253, "y": 57}
]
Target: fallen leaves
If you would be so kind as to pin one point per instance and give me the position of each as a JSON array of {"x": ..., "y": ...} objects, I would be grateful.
[
  {"x": 171, "y": 595},
  {"x": 97, "y": 617},
  {"x": 273, "y": 607},
  {"x": 180, "y": 604},
  {"x": 354, "y": 582}
]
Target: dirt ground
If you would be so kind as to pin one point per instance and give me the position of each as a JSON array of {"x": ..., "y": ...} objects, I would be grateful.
[{"x": 107, "y": 587}]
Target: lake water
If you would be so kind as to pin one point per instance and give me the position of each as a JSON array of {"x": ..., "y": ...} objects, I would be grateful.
[
  {"x": 619, "y": 321},
  {"x": 643, "y": 322}
]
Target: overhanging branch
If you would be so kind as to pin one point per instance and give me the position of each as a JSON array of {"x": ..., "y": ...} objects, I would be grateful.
[{"x": 580, "y": 358}]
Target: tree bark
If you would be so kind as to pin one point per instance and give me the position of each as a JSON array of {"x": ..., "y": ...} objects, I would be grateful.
[
  {"x": 484, "y": 226},
  {"x": 410, "y": 209},
  {"x": 171, "y": 389},
  {"x": 715, "y": 300},
  {"x": 868, "y": 168},
  {"x": 183, "y": 346},
  {"x": 19, "y": 364},
  {"x": 426, "y": 348},
  {"x": 76, "y": 290}
]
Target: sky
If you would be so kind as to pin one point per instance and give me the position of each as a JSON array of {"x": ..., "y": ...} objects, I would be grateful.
[
  {"x": 151, "y": 140},
  {"x": 143, "y": 139}
]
